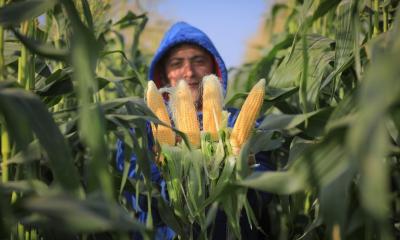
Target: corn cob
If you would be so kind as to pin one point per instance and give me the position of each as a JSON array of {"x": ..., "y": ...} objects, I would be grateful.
[
  {"x": 212, "y": 105},
  {"x": 247, "y": 116},
  {"x": 155, "y": 102},
  {"x": 184, "y": 113}
]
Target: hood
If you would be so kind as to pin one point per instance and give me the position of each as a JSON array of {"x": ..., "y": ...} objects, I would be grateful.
[{"x": 182, "y": 32}]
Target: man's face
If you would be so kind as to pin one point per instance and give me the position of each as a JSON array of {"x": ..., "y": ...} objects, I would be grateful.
[{"x": 191, "y": 63}]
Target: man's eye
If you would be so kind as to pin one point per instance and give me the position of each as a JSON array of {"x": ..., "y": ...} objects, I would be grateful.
[
  {"x": 199, "y": 61},
  {"x": 175, "y": 64}
]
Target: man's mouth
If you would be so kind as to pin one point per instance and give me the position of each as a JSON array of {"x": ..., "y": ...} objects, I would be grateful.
[{"x": 193, "y": 84}]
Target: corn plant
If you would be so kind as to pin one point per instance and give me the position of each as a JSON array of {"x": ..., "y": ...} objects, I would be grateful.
[
  {"x": 338, "y": 167},
  {"x": 70, "y": 86},
  {"x": 55, "y": 164},
  {"x": 199, "y": 175}
]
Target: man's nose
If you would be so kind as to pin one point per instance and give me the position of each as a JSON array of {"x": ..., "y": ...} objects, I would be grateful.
[{"x": 188, "y": 70}]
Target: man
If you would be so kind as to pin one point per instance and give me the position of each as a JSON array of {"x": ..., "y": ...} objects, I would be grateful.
[{"x": 186, "y": 53}]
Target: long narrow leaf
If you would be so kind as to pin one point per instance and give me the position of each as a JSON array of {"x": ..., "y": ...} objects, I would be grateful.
[
  {"x": 17, "y": 12},
  {"x": 33, "y": 117}
]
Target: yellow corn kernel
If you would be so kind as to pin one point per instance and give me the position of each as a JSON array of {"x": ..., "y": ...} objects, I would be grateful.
[
  {"x": 184, "y": 113},
  {"x": 212, "y": 105},
  {"x": 247, "y": 116},
  {"x": 155, "y": 102}
]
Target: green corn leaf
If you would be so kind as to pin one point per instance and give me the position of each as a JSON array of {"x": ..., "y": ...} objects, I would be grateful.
[
  {"x": 218, "y": 158},
  {"x": 272, "y": 95},
  {"x": 42, "y": 49},
  {"x": 334, "y": 209},
  {"x": 286, "y": 121},
  {"x": 130, "y": 19},
  {"x": 263, "y": 67},
  {"x": 370, "y": 148},
  {"x": 167, "y": 215},
  {"x": 17, "y": 12},
  {"x": 264, "y": 141},
  {"x": 58, "y": 83},
  {"x": 87, "y": 13},
  {"x": 276, "y": 182},
  {"x": 223, "y": 184},
  {"x": 33, "y": 117},
  {"x": 345, "y": 39},
  {"x": 324, "y": 7},
  {"x": 25, "y": 187},
  {"x": 288, "y": 73},
  {"x": 76, "y": 216},
  {"x": 319, "y": 165},
  {"x": 33, "y": 152}
]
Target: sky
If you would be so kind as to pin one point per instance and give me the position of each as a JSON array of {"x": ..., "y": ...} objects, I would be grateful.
[{"x": 228, "y": 23}]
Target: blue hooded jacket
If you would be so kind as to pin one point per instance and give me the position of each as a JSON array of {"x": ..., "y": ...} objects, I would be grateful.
[{"x": 179, "y": 33}]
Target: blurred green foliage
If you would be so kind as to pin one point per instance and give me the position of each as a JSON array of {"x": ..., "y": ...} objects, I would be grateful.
[{"x": 70, "y": 86}]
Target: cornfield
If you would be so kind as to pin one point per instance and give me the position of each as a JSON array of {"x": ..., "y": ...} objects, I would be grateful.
[{"x": 70, "y": 87}]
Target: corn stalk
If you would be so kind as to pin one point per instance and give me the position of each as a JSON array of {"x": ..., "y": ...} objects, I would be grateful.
[
  {"x": 385, "y": 18},
  {"x": 2, "y": 70},
  {"x": 376, "y": 17},
  {"x": 5, "y": 153},
  {"x": 30, "y": 81},
  {"x": 5, "y": 142},
  {"x": 23, "y": 59},
  {"x": 26, "y": 70}
]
